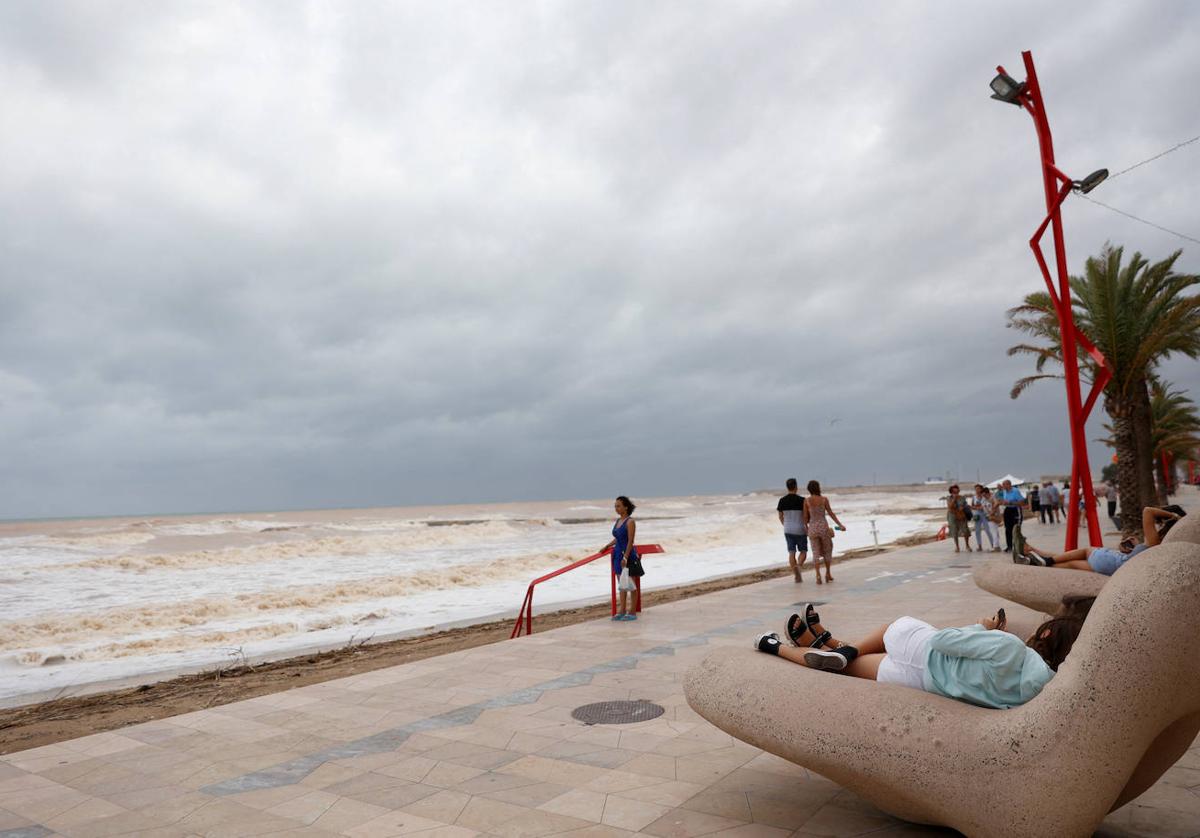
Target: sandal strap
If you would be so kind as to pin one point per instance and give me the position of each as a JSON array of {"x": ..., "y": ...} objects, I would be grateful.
[{"x": 822, "y": 638}]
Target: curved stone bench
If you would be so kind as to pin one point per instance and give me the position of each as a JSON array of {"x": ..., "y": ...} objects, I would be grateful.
[
  {"x": 1122, "y": 709},
  {"x": 1039, "y": 588}
]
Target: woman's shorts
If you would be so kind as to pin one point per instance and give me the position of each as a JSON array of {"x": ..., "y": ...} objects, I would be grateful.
[
  {"x": 906, "y": 642},
  {"x": 796, "y": 542},
  {"x": 1106, "y": 560}
]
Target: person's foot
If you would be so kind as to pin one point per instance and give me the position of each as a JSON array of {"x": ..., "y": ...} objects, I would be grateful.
[
  {"x": 1040, "y": 561},
  {"x": 834, "y": 660},
  {"x": 818, "y": 578},
  {"x": 828, "y": 578},
  {"x": 956, "y": 550},
  {"x": 798, "y": 578},
  {"x": 620, "y": 616},
  {"x": 768, "y": 643},
  {"x": 631, "y": 616}
]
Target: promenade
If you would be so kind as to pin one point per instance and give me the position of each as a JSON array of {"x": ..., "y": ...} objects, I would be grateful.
[{"x": 483, "y": 741}]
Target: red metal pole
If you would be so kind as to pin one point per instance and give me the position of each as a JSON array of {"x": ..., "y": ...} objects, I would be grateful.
[{"x": 1056, "y": 186}]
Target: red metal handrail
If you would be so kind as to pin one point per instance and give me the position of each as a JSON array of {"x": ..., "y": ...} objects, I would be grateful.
[{"x": 525, "y": 616}]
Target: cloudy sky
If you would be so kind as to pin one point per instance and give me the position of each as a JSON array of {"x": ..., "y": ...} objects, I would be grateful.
[{"x": 280, "y": 255}]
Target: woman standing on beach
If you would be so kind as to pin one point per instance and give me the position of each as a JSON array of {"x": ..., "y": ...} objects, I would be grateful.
[
  {"x": 820, "y": 537},
  {"x": 958, "y": 519},
  {"x": 624, "y": 531}
]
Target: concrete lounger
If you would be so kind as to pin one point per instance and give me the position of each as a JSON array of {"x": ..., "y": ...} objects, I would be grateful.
[
  {"x": 1043, "y": 588},
  {"x": 1122, "y": 709},
  {"x": 1039, "y": 588}
]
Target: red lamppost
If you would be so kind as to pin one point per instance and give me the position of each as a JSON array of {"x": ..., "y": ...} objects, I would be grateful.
[{"x": 1058, "y": 186}]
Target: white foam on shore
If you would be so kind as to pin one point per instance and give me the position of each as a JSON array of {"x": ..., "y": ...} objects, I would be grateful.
[{"x": 107, "y": 601}]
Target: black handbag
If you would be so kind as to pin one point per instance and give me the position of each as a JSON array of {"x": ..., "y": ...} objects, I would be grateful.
[{"x": 634, "y": 563}]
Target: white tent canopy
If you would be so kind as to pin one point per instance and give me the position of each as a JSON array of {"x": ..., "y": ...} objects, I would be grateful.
[{"x": 1016, "y": 481}]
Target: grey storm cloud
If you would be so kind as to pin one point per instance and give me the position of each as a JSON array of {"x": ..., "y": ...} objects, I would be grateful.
[{"x": 279, "y": 255}]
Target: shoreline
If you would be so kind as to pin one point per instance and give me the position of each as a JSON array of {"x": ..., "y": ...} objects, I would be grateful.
[{"x": 45, "y": 723}]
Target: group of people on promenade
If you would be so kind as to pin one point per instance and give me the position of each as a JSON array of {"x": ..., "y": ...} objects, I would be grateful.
[
  {"x": 988, "y": 510},
  {"x": 805, "y": 524}
]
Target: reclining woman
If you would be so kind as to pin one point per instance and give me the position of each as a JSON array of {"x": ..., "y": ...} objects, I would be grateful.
[
  {"x": 981, "y": 664},
  {"x": 1106, "y": 560}
]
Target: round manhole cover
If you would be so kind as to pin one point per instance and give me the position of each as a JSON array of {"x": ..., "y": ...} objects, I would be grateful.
[{"x": 616, "y": 712}]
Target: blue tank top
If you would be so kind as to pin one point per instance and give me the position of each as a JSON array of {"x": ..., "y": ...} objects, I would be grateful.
[{"x": 620, "y": 534}]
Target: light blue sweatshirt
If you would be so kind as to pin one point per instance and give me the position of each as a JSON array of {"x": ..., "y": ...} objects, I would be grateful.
[{"x": 988, "y": 668}]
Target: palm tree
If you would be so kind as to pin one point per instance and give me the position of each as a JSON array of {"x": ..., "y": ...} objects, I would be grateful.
[
  {"x": 1176, "y": 430},
  {"x": 1137, "y": 314}
]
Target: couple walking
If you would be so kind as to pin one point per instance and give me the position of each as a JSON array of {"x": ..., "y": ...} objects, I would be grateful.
[{"x": 804, "y": 522}]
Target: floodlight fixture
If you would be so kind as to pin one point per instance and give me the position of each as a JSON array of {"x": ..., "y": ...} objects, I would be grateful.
[
  {"x": 1091, "y": 181},
  {"x": 1007, "y": 89}
]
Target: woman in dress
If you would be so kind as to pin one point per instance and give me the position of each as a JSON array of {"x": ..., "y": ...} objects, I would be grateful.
[
  {"x": 958, "y": 519},
  {"x": 624, "y": 531},
  {"x": 820, "y": 536}
]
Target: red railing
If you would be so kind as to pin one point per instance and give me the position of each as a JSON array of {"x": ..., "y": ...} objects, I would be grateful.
[{"x": 525, "y": 616}]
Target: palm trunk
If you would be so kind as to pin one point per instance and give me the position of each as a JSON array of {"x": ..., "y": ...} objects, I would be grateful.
[
  {"x": 1143, "y": 428},
  {"x": 1128, "y": 485}
]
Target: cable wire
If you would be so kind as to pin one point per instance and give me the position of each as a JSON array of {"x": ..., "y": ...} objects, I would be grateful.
[
  {"x": 1155, "y": 157},
  {"x": 1142, "y": 220}
]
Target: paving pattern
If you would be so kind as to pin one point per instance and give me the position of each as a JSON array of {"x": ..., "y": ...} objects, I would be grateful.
[{"x": 482, "y": 741}]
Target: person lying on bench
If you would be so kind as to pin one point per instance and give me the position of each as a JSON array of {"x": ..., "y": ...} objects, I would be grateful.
[
  {"x": 1106, "y": 560},
  {"x": 981, "y": 664}
]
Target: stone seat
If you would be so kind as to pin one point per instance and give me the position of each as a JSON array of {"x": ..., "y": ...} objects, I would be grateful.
[
  {"x": 1122, "y": 709},
  {"x": 1039, "y": 588}
]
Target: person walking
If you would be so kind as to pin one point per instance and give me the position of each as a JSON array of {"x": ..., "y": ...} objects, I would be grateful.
[
  {"x": 1035, "y": 501},
  {"x": 981, "y": 510},
  {"x": 1050, "y": 502},
  {"x": 958, "y": 518},
  {"x": 1013, "y": 502},
  {"x": 820, "y": 536},
  {"x": 623, "y": 533},
  {"x": 1112, "y": 498},
  {"x": 791, "y": 516}
]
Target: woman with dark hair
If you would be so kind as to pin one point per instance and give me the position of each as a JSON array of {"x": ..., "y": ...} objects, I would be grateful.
[
  {"x": 981, "y": 664},
  {"x": 958, "y": 518},
  {"x": 624, "y": 531},
  {"x": 1106, "y": 560},
  {"x": 820, "y": 536}
]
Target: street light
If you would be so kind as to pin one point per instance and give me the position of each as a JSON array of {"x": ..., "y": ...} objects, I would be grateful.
[
  {"x": 1058, "y": 186},
  {"x": 1006, "y": 89},
  {"x": 1091, "y": 181}
]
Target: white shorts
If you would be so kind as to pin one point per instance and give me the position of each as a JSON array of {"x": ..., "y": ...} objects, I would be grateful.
[{"x": 906, "y": 642}]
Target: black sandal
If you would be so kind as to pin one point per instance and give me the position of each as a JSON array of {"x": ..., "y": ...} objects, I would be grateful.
[
  {"x": 795, "y": 629},
  {"x": 811, "y": 617}
]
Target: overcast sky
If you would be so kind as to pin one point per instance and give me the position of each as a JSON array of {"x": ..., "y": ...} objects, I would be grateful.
[{"x": 283, "y": 255}]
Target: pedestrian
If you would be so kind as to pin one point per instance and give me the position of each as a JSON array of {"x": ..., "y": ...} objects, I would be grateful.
[
  {"x": 1013, "y": 502},
  {"x": 1064, "y": 495},
  {"x": 1111, "y": 496},
  {"x": 958, "y": 518},
  {"x": 1035, "y": 501},
  {"x": 624, "y": 532},
  {"x": 994, "y": 518},
  {"x": 791, "y": 516},
  {"x": 981, "y": 509},
  {"x": 1050, "y": 502},
  {"x": 820, "y": 536}
]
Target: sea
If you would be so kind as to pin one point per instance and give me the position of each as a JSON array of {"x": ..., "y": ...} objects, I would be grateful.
[{"x": 92, "y": 604}]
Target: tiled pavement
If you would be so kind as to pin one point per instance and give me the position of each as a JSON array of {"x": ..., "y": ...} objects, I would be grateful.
[{"x": 483, "y": 742}]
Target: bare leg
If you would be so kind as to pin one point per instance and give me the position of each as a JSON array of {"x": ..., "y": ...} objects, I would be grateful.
[
  {"x": 1078, "y": 555},
  {"x": 621, "y": 602},
  {"x": 792, "y": 564},
  {"x": 800, "y": 564},
  {"x": 865, "y": 666},
  {"x": 1075, "y": 565}
]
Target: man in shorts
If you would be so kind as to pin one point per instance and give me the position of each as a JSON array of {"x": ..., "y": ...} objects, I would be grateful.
[{"x": 791, "y": 516}]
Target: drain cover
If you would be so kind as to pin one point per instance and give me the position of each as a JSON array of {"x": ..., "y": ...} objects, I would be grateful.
[{"x": 616, "y": 712}]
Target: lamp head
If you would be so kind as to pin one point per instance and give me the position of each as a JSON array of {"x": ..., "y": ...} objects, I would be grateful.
[
  {"x": 1091, "y": 181},
  {"x": 1007, "y": 89}
]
